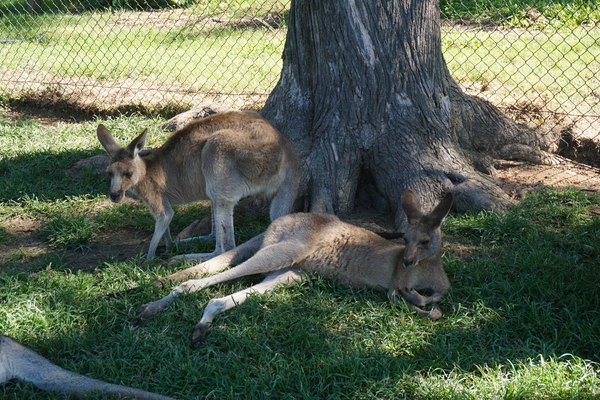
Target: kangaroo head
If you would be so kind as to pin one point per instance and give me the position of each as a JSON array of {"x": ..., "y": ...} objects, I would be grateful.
[
  {"x": 125, "y": 168},
  {"x": 423, "y": 235}
]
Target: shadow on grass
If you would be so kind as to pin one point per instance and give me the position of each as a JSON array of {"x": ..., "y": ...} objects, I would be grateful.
[
  {"x": 77, "y": 240},
  {"x": 41, "y": 175},
  {"x": 52, "y": 103}
]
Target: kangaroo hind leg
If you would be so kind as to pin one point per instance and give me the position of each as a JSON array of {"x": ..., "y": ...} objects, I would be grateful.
[
  {"x": 217, "y": 264},
  {"x": 268, "y": 259},
  {"x": 220, "y": 305}
]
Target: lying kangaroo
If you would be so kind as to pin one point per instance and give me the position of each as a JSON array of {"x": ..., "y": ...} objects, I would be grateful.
[
  {"x": 223, "y": 157},
  {"x": 323, "y": 244},
  {"x": 19, "y": 362}
]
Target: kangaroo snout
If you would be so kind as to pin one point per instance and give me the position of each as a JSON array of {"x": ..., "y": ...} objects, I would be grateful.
[
  {"x": 411, "y": 255},
  {"x": 116, "y": 197}
]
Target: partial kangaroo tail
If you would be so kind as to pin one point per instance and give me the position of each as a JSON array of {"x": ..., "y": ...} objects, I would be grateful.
[{"x": 19, "y": 362}]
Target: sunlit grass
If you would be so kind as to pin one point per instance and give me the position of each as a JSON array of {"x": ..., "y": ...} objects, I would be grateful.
[
  {"x": 523, "y": 14},
  {"x": 557, "y": 67}
]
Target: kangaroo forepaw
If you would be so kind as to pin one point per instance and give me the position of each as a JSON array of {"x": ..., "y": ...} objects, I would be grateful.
[
  {"x": 199, "y": 334},
  {"x": 435, "y": 313},
  {"x": 146, "y": 311},
  {"x": 161, "y": 283}
]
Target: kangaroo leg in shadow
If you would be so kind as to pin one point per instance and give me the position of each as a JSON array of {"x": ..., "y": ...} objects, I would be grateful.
[
  {"x": 268, "y": 259},
  {"x": 217, "y": 264},
  {"x": 220, "y": 305}
]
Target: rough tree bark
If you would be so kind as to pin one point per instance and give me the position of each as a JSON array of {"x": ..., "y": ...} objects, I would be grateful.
[{"x": 366, "y": 97}]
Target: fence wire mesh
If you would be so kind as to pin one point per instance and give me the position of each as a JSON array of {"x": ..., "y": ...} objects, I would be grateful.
[
  {"x": 112, "y": 53},
  {"x": 537, "y": 60}
]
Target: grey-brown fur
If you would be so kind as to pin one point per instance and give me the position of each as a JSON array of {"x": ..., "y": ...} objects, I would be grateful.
[
  {"x": 19, "y": 362},
  {"x": 324, "y": 244},
  {"x": 223, "y": 157}
]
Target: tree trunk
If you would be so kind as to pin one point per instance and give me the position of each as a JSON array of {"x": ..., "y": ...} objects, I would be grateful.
[{"x": 367, "y": 100}]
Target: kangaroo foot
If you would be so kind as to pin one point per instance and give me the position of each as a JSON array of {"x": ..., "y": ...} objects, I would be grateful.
[
  {"x": 204, "y": 238},
  {"x": 194, "y": 257},
  {"x": 199, "y": 334},
  {"x": 150, "y": 309},
  {"x": 435, "y": 313}
]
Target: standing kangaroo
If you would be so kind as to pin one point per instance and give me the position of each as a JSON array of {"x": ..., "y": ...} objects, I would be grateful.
[
  {"x": 223, "y": 157},
  {"x": 323, "y": 244},
  {"x": 19, "y": 362}
]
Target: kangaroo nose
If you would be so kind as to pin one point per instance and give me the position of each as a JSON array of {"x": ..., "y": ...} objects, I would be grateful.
[{"x": 115, "y": 197}]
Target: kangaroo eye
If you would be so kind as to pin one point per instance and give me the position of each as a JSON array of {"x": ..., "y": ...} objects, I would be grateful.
[
  {"x": 127, "y": 175},
  {"x": 425, "y": 241}
]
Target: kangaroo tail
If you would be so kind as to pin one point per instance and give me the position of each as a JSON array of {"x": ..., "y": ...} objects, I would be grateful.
[{"x": 26, "y": 365}]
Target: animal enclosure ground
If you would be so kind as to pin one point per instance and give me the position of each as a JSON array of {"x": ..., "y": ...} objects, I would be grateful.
[
  {"x": 515, "y": 325},
  {"x": 28, "y": 249}
]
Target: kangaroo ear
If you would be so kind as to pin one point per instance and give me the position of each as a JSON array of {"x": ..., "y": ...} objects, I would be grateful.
[
  {"x": 436, "y": 217},
  {"x": 106, "y": 140},
  {"x": 410, "y": 205},
  {"x": 137, "y": 144}
]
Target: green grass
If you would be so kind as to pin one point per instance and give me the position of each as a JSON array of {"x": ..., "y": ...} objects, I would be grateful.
[
  {"x": 557, "y": 67},
  {"x": 521, "y": 321},
  {"x": 64, "y": 47},
  {"x": 73, "y": 231},
  {"x": 518, "y": 13},
  {"x": 206, "y": 47}
]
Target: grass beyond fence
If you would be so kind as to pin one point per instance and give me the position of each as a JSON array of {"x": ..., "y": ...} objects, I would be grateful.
[
  {"x": 107, "y": 55},
  {"x": 523, "y": 13},
  {"x": 521, "y": 321}
]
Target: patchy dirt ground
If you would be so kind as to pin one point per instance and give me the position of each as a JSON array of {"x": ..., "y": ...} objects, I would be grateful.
[
  {"x": 27, "y": 251},
  {"x": 518, "y": 179}
]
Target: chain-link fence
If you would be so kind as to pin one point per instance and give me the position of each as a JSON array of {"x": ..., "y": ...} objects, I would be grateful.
[
  {"x": 118, "y": 52},
  {"x": 537, "y": 60}
]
